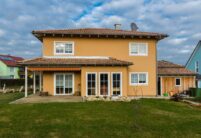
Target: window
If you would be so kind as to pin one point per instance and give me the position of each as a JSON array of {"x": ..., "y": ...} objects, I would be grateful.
[
  {"x": 197, "y": 66},
  {"x": 178, "y": 81},
  {"x": 138, "y": 49},
  {"x": 116, "y": 84},
  {"x": 64, "y": 84},
  {"x": 138, "y": 78},
  {"x": 104, "y": 83},
  {"x": 91, "y": 84},
  {"x": 12, "y": 76},
  {"x": 12, "y": 69},
  {"x": 64, "y": 48}
]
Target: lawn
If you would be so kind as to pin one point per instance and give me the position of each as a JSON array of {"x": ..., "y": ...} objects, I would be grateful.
[{"x": 143, "y": 118}]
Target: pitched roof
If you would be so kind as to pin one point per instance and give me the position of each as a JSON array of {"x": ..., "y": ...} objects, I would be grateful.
[
  {"x": 97, "y": 32},
  {"x": 172, "y": 69},
  {"x": 75, "y": 62},
  {"x": 194, "y": 51},
  {"x": 10, "y": 60}
]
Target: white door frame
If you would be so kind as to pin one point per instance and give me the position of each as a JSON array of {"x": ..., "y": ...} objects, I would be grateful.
[
  {"x": 87, "y": 83},
  {"x": 108, "y": 83},
  {"x": 121, "y": 78}
]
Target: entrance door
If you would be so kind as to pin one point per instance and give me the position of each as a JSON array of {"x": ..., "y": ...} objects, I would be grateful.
[
  {"x": 159, "y": 86},
  {"x": 64, "y": 84}
]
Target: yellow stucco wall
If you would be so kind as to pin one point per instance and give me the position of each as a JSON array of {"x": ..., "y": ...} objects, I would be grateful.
[
  {"x": 168, "y": 84},
  {"x": 117, "y": 48}
]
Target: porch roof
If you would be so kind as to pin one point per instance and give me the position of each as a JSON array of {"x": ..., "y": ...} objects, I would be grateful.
[
  {"x": 166, "y": 68},
  {"x": 73, "y": 62}
]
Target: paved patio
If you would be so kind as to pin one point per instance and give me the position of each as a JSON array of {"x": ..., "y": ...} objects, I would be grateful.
[{"x": 35, "y": 98}]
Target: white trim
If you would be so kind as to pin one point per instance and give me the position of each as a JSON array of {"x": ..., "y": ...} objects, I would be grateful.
[
  {"x": 78, "y": 57},
  {"x": 69, "y": 42},
  {"x": 139, "y": 84},
  {"x": 64, "y": 83},
  {"x": 87, "y": 82},
  {"x": 121, "y": 78},
  {"x": 26, "y": 82},
  {"x": 176, "y": 82},
  {"x": 108, "y": 83},
  {"x": 196, "y": 66},
  {"x": 161, "y": 79},
  {"x": 138, "y": 54},
  {"x": 34, "y": 82}
]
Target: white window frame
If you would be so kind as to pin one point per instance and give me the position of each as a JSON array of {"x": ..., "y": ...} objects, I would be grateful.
[
  {"x": 69, "y": 42},
  {"x": 176, "y": 82},
  {"x": 13, "y": 76},
  {"x": 87, "y": 83},
  {"x": 196, "y": 66},
  {"x": 63, "y": 83},
  {"x": 121, "y": 76},
  {"x": 13, "y": 71},
  {"x": 108, "y": 83},
  {"x": 139, "y": 84},
  {"x": 138, "y": 54}
]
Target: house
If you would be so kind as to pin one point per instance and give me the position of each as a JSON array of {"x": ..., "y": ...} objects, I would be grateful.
[
  {"x": 194, "y": 63},
  {"x": 9, "y": 69},
  {"x": 174, "y": 78},
  {"x": 96, "y": 62}
]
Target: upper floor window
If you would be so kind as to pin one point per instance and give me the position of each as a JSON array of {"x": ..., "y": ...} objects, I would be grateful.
[
  {"x": 138, "y": 49},
  {"x": 196, "y": 66},
  {"x": 64, "y": 48},
  {"x": 140, "y": 78},
  {"x": 12, "y": 69}
]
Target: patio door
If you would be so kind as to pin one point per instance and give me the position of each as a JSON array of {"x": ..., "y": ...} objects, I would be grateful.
[
  {"x": 104, "y": 84},
  {"x": 64, "y": 84}
]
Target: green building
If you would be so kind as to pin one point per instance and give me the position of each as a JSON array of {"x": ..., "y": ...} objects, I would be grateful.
[{"x": 9, "y": 69}]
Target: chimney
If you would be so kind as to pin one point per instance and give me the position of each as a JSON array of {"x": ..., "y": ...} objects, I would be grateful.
[{"x": 117, "y": 26}]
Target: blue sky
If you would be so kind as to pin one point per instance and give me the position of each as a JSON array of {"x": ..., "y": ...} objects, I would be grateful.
[{"x": 181, "y": 19}]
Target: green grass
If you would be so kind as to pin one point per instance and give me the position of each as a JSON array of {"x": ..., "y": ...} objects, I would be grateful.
[{"x": 143, "y": 118}]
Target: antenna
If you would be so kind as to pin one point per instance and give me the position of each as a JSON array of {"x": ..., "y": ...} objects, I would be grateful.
[{"x": 134, "y": 27}]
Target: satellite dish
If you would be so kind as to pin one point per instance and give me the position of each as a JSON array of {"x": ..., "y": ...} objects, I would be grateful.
[{"x": 134, "y": 27}]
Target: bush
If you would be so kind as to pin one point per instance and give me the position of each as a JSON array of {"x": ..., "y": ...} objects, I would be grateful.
[
  {"x": 14, "y": 82},
  {"x": 165, "y": 94}
]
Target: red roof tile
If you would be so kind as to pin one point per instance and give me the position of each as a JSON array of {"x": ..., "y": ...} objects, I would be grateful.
[
  {"x": 169, "y": 68},
  {"x": 10, "y": 60}
]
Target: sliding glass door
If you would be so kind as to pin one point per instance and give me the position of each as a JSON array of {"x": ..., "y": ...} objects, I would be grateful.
[{"x": 64, "y": 84}]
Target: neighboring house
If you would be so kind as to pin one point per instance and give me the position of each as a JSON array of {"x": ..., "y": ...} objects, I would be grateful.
[
  {"x": 8, "y": 67},
  {"x": 174, "y": 78},
  {"x": 97, "y": 62},
  {"x": 194, "y": 63}
]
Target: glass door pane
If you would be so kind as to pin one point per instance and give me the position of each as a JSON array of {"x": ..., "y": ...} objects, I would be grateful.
[
  {"x": 59, "y": 84},
  {"x": 104, "y": 84},
  {"x": 116, "y": 84},
  {"x": 68, "y": 84}
]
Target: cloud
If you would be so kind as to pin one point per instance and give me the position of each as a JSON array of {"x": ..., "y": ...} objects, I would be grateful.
[
  {"x": 180, "y": 19},
  {"x": 2, "y": 32},
  {"x": 177, "y": 41}
]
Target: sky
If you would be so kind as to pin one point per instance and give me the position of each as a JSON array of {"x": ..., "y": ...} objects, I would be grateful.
[{"x": 180, "y": 19}]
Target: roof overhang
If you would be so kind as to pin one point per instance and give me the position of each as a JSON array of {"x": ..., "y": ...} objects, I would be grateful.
[{"x": 53, "y": 69}]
